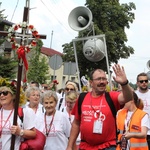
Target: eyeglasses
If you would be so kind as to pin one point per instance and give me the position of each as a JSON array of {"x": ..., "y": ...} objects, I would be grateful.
[
  {"x": 67, "y": 89},
  {"x": 100, "y": 79},
  {"x": 141, "y": 81},
  {"x": 5, "y": 93}
]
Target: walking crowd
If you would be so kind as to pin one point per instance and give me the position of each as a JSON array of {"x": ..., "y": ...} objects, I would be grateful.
[{"x": 72, "y": 120}]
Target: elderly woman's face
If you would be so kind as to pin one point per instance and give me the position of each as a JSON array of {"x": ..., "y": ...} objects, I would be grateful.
[
  {"x": 34, "y": 97},
  {"x": 50, "y": 104},
  {"x": 6, "y": 97}
]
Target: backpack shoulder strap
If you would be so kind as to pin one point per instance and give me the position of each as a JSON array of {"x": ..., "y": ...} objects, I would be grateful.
[
  {"x": 20, "y": 113},
  {"x": 111, "y": 104},
  {"x": 80, "y": 100},
  {"x": 113, "y": 109},
  {"x": 60, "y": 103}
]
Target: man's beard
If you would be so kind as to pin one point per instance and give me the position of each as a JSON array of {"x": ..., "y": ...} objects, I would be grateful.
[{"x": 143, "y": 89}]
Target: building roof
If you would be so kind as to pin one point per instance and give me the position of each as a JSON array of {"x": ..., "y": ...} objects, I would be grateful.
[
  {"x": 6, "y": 22},
  {"x": 50, "y": 51}
]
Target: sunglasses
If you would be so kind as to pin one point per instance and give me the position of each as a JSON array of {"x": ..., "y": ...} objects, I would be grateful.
[
  {"x": 67, "y": 89},
  {"x": 141, "y": 81},
  {"x": 5, "y": 93}
]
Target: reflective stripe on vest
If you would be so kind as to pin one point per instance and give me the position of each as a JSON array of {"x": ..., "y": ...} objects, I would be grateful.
[{"x": 138, "y": 144}]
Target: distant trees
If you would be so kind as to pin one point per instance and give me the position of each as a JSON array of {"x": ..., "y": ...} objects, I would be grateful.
[{"x": 38, "y": 66}]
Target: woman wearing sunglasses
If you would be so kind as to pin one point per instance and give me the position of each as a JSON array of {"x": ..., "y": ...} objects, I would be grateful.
[
  {"x": 70, "y": 86},
  {"x": 22, "y": 130}
]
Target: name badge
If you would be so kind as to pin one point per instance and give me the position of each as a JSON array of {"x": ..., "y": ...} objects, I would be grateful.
[{"x": 98, "y": 126}]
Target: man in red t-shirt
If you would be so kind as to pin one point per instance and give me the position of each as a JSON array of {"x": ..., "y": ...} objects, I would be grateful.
[{"x": 96, "y": 122}]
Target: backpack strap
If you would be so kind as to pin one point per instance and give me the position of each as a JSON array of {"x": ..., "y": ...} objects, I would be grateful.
[
  {"x": 113, "y": 110},
  {"x": 62, "y": 110},
  {"x": 20, "y": 113},
  {"x": 80, "y": 100},
  {"x": 111, "y": 104},
  {"x": 60, "y": 103}
]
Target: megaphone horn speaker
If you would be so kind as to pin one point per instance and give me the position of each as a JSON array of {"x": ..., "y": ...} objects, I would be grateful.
[
  {"x": 80, "y": 18},
  {"x": 94, "y": 50},
  {"x": 148, "y": 64}
]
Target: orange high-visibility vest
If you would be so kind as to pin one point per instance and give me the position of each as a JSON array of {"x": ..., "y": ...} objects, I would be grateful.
[{"x": 134, "y": 126}]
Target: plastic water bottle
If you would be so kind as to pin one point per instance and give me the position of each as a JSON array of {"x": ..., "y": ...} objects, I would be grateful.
[{"x": 84, "y": 81}]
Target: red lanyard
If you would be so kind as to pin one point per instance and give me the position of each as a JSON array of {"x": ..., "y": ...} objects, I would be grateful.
[
  {"x": 95, "y": 111},
  {"x": 50, "y": 125},
  {"x": 1, "y": 127}
]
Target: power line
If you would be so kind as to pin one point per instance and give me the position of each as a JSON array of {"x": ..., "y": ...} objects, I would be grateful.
[
  {"x": 55, "y": 17},
  {"x": 14, "y": 10}
]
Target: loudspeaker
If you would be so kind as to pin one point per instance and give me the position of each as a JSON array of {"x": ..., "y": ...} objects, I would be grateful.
[
  {"x": 80, "y": 18},
  {"x": 148, "y": 64},
  {"x": 94, "y": 50}
]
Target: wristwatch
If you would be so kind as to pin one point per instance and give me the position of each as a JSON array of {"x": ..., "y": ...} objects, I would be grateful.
[{"x": 21, "y": 132}]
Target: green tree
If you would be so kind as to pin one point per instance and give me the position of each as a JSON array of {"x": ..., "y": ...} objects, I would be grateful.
[
  {"x": 110, "y": 18},
  {"x": 8, "y": 67},
  {"x": 2, "y": 17},
  {"x": 38, "y": 67}
]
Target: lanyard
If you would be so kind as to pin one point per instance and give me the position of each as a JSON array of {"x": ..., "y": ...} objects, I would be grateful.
[
  {"x": 50, "y": 125},
  {"x": 97, "y": 112},
  {"x": 127, "y": 122},
  {"x": 1, "y": 127}
]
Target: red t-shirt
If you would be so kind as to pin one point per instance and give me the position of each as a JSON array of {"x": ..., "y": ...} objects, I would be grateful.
[{"x": 91, "y": 109}]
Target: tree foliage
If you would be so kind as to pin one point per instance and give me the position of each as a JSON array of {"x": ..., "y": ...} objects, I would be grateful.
[
  {"x": 38, "y": 67},
  {"x": 110, "y": 18},
  {"x": 8, "y": 67}
]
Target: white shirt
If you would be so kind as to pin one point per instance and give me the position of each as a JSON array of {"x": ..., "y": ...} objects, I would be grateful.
[
  {"x": 71, "y": 118},
  {"x": 146, "y": 100},
  {"x": 57, "y": 138},
  {"x": 28, "y": 123}
]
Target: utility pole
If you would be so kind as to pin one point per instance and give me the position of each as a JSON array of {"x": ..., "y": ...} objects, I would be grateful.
[{"x": 51, "y": 39}]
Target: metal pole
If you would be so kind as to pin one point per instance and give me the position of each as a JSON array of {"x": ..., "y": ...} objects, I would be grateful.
[
  {"x": 55, "y": 60},
  {"x": 76, "y": 60},
  {"x": 107, "y": 63},
  {"x": 51, "y": 39}
]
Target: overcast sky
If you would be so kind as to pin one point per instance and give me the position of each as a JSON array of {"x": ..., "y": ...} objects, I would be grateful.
[{"x": 49, "y": 16}]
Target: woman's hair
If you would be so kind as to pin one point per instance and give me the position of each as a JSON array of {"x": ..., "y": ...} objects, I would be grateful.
[
  {"x": 73, "y": 84},
  {"x": 31, "y": 89},
  {"x": 71, "y": 95},
  {"x": 138, "y": 102},
  {"x": 48, "y": 94}
]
